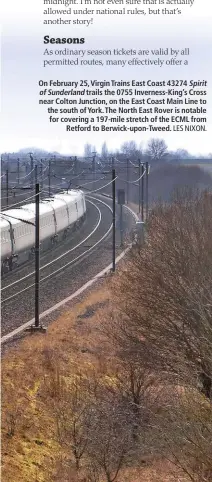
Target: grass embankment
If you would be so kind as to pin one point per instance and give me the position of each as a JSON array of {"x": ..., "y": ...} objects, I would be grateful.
[
  {"x": 31, "y": 375},
  {"x": 35, "y": 376}
]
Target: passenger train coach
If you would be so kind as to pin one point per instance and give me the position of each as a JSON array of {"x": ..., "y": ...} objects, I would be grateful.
[{"x": 58, "y": 214}]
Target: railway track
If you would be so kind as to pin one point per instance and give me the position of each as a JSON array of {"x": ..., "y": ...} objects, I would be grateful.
[
  {"x": 48, "y": 261},
  {"x": 62, "y": 272}
]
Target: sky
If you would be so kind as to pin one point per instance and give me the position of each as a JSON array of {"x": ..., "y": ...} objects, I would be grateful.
[{"x": 24, "y": 123}]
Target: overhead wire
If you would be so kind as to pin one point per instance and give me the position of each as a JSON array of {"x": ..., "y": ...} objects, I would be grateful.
[
  {"x": 20, "y": 202},
  {"x": 70, "y": 170},
  {"x": 24, "y": 177},
  {"x": 135, "y": 165},
  {"x": 55, "y": 259},
  {"x": 64, "y": 179},
  {"x": 90, "y": 182},
  {"x": 133, "y": 182},
  {"x": 21, "y": 194},
  {"x": 17, "y": 186},
  {"x": 17, "y": 219},
  {"x": 90, "y": 192}
]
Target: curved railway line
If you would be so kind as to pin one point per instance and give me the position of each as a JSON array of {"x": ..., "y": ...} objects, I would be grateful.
[
  {"x": 49, "y": 264},
  {"x": 62, "y": 270}
]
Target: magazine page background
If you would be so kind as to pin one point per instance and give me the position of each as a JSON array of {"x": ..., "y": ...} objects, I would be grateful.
[{"x": 25, "y": 122}]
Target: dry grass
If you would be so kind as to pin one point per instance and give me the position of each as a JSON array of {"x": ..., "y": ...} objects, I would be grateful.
[
  {"x": 28, "y": 428},
  {"x": 31, "y": 377}
]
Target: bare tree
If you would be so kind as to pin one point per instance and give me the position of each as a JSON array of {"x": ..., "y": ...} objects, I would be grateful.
[
  {"x": 163, "y": 319},
  {"x": 134, "y": 384},
  {"x": 130, "y": 149},
  {"x": 104, "y": 151},
  {"x": 186, "y": 430},
  {"x": 164, "y": 295},
  {"x": 157, "y": 149},
  {"x": 111, "y": 439},
  {"x": 72, "y": 415},
  {"x": 88, "y": 149}
]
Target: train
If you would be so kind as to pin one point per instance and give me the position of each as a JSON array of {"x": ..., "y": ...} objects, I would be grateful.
[{"x": 58, "y": 215}]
